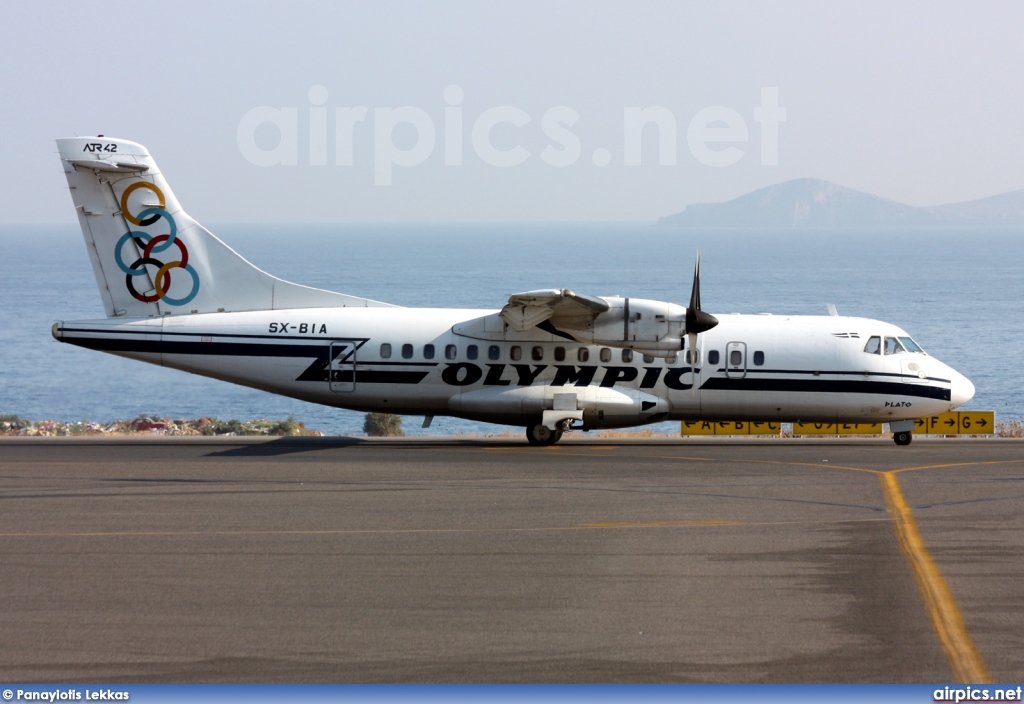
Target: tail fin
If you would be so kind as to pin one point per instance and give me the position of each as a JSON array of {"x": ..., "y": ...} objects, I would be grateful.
[{"x": 149, "y": 256}]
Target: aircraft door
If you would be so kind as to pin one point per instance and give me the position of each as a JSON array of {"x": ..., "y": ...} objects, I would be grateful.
[
  {"x": 341, "y": 369},
  {"x": 736, "y": 360}
]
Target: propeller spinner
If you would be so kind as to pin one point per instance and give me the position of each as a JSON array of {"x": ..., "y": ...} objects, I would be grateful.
[{"x": 697, "y": 321}]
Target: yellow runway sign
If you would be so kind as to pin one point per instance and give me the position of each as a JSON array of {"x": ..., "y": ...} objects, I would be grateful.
[
  {"x": 859, "y": 428},
  {"x": 953, "y": 423},
  {"x": 977, "y": 422},
  {"x": 957, "y": 423},
  {"x": 728, "y": 427},
  {"x": 837, "y": 428},
  {"x": 697, "y": 427},
  {"x": 764, "y": 428}
]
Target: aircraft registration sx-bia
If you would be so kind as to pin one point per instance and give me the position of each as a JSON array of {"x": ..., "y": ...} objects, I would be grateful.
[{"x": 549, "y": 360}]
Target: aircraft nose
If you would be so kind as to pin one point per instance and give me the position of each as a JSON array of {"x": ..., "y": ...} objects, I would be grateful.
[{"x": 962, "y": 390}]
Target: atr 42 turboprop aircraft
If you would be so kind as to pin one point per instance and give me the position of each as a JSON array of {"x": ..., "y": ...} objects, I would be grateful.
[{"x": 550, "y": 360}]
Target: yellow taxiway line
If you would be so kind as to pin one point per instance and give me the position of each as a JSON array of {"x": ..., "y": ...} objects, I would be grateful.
[{"x": 949, "y": 623}]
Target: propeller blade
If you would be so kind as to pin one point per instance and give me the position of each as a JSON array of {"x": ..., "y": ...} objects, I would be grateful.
[
  {"x": 695, "y": 292},
  {"x": 693, "y": 362},
  {"x": 697, "y": 321}
]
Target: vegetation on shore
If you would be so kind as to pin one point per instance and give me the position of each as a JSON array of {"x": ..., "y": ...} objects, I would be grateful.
[
  {"x": 1010, "y": 429},
  {"x": 151, "y": 425},
  {"x": 383, "y": 425}
]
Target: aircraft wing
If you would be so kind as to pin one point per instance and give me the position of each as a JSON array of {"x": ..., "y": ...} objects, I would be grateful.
[{"x": 564, "y": 308}]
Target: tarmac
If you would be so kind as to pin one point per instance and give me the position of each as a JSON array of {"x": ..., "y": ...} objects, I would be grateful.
[{"x": 410, "y": 560}]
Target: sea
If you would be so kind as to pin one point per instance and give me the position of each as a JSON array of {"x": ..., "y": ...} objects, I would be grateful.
[{"x": 959, "y": 293}]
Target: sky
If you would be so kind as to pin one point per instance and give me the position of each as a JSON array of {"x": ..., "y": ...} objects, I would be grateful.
[{"x": 382, "y": 111}]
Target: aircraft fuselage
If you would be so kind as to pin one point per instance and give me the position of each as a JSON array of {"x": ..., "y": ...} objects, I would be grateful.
[{"x": 466, "y": 363}]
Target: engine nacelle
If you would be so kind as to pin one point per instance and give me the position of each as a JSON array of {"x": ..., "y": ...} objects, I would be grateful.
[
  {"x": 596, "y": 407},
  {"x": 640, "y": 324}
]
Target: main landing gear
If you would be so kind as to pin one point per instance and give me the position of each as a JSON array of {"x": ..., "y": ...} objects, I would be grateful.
[
  {"x": 541, "y": 435},
  {"x": 903, "y": 438}
]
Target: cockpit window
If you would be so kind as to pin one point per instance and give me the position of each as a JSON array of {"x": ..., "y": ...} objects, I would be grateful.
[
  {"x": 892, "y": 346},
  {"x": 911, "y": 346},
  {"x": 874, "y": 345}
]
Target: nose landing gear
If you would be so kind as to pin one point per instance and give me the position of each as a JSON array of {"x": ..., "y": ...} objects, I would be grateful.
[{"x": 903, "y": 438}]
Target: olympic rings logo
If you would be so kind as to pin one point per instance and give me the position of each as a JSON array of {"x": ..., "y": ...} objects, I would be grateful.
[{"x": 149, "y": 246}]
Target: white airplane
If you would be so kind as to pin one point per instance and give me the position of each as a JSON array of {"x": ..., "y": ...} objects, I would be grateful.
[{"x": 550, "y": 360}]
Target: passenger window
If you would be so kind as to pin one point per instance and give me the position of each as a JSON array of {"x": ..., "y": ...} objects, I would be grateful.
[
  {"x": 671, "y": 361},
  {"x": 606, "y": 354},
  {"x": 472, "y": 352},
  {"x": 406, "y": 351},
  {"x": 537, "y": 353},
  {"x": 692, "y": 356},
  {"x": 583, "y": 354},
  {"x": 385, "y": 350},
  {"x": 428, "y": 351},
  {"x": 450, "y": 352},
  {"x": 874, "y": 345},
  {"x": 627, "y": 355},
  {"x": 735, "y": 358},
  {"x": 493, "y": 352},
  {"x": 892, "y": 346},
  {"x": 559, "y": 354},
  {"x": 911, "y": 346},
  {"x": 516, "y": 353},
  {"x": 713, "y": 357},
  {"x": 648, "y": 359},
  {"x": 759, "y": 359}
]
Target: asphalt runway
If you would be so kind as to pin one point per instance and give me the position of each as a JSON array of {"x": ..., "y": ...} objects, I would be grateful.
[{"x": 345, "y": 560}]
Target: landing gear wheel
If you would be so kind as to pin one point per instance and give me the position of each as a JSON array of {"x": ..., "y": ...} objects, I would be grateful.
[
  {"x": 541, "y": 435},
  {"x": 902, "y": 438}
]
